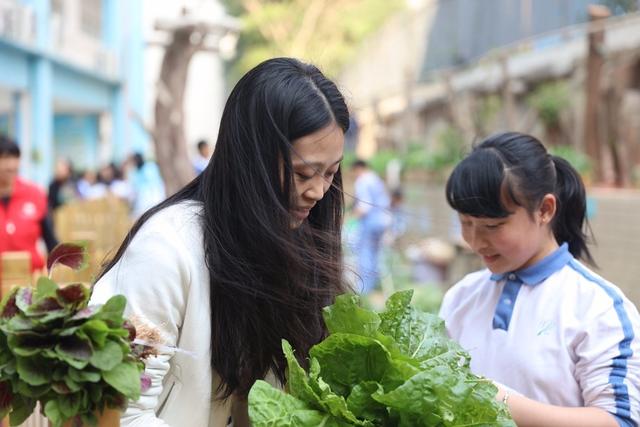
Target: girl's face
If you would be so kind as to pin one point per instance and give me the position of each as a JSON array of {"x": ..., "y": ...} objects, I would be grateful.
[
  {"x": 517, "y": 241},
  {"x": 315, "y": 159}
]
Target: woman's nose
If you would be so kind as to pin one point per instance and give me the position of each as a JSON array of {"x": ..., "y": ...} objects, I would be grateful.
[{"x": 316, "y": 188}]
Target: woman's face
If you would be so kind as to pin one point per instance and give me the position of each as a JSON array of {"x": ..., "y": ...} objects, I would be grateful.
[{"x": 315, "y": 159}]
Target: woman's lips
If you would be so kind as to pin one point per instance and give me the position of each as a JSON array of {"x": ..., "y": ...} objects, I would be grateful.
[{"x": 301, "y": 213}]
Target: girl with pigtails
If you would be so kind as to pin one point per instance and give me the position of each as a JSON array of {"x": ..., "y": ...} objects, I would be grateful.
[{"x": 561, "y": 342}]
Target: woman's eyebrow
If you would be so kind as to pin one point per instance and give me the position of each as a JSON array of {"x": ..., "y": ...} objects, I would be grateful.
[{"x": 316, "y": 165}]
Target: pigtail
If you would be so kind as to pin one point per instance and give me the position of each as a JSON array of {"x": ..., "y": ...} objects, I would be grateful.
[{"x": 570, "y": 223}]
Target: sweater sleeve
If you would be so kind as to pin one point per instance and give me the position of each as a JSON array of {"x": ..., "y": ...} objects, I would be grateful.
[{"x": 153, "y": 275}]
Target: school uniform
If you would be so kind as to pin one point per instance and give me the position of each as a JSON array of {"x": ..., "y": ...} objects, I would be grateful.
[{"x": 555, "y": 332}]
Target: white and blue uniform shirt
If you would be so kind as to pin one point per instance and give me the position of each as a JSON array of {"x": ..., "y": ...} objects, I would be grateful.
[{"x": 555, "y": 332}]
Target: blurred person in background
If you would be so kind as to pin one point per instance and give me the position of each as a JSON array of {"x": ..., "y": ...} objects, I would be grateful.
[
  {"x": 112, "y": 182},
  {"x": 62, "y": 188},
  {"x": 24, "y": 216},
  {"x": 88, "y": 187},
  {"x": 399, "y": 221},
  {"x": 201, "y": 160},
  {"x": 371, "y": 208},
  {"x": 147, "y": 187}
]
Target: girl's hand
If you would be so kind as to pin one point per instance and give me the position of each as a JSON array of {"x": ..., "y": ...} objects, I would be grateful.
[{"x": 530, "y": 413}]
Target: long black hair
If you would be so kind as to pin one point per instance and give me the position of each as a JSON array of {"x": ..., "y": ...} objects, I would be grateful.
[
  {"x": 268, "y": 281},
  {"x": 513, "y": 167}
]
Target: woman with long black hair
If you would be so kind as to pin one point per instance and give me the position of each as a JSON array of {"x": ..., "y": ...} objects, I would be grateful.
[{"x": 245, "y": 255}]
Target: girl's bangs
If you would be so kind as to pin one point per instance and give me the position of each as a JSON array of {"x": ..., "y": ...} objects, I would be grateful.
[{"x": 476, "y": 186}]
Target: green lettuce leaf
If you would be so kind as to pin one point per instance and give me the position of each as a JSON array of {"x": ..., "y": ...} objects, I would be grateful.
[{"x": 397, "y": 368}]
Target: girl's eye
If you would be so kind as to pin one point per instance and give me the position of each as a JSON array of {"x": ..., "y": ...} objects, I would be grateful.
[
  {"x": 329, "y": 175},
  {"x": 493, "y": 226}
]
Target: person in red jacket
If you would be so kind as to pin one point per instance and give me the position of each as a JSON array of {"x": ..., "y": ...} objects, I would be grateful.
[{"x": 24, "y": 218}]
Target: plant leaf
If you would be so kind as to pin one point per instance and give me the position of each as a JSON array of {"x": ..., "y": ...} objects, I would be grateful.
[
  {"x": 107, "y": 357},
  {"x": 113, "y": 309},
  {"x": 29, "y": 344},
  {"x": 86, "y": 312},
  {"x": 397, "y": 368},
  {"x": 9, "y": 307},
  {"x": 346, "y": 315},
  {"x": 97, "y": 330},
  {"x": 75, "y": 294},
  {"x": 22, "y": 408},
  {"x": 31, "y": 391},
  {"x": 24, "y": 298},
  {"x": 125, "y": 378},
  {"x": 71, "y": 384},
  {"x": 33, "y": 370},
  {"x": 69, "y": 405},
  {"x": 44, "y": 306},
  {"x": 367, "y": 360},
  {"x": 73, "y": 255},
  {"x": 53, "y": 413},
  {"x": 418, "y": 334},
  {"x": 282, "y": 410},
  {"x": 75, "y": 351},
  {"x": 81, "y": 376},
  {"x": 45, "y": 288},
  {"x": 315, "y": 392},
  {"x": 363, "y": 405},
  {"x": 6, "y": 398}
]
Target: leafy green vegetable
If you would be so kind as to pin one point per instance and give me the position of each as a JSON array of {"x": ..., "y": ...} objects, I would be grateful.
[
  {"x": 394, "y": 368},
  {"x": 74, "y": 359}
]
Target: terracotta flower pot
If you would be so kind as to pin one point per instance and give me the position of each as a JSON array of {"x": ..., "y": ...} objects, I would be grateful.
[{"x": 108, "y": 418}]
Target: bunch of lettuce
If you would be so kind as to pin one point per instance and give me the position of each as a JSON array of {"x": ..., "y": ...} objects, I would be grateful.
[
  {"x": 394, "y": 368},
  {"x": 75, "y": 359}
]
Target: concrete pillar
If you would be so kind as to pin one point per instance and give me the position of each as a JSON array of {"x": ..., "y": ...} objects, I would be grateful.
[{"x": 41, "y": 120}]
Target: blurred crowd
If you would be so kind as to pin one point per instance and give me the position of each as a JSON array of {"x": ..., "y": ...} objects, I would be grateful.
[{"x": 136, "y": 181}]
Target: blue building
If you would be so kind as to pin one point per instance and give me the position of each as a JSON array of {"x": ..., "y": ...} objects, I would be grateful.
[{"x": 71, "y": 79}]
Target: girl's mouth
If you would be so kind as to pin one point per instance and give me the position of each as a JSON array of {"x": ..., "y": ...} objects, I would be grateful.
[{"x": 490, "y": 258}]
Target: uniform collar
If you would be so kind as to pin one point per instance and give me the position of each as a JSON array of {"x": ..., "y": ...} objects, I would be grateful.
[{"x": 538, "y": 272}]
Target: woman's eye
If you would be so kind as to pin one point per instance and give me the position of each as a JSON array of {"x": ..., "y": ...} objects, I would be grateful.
[
  {"x": 493, "y": 226},
  {"x": 330, "y": 175},
  {"x": 303, "y": 177}
]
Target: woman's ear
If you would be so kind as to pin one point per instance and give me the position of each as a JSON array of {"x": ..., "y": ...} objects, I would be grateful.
[{"x": 548, "y": 208}]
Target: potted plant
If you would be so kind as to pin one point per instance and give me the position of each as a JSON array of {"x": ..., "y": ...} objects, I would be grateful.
[{"x": 78, "y": 361}]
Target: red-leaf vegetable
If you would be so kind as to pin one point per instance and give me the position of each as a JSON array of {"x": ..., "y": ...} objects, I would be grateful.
[
  {"x": 73, "y": 255},
  {"x": 72, "y": 358}
]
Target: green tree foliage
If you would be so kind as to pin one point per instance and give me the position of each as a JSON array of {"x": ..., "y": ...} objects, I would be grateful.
[
  {"x": 549, "y": 100},
  {"x": 325, "y": 32}
]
